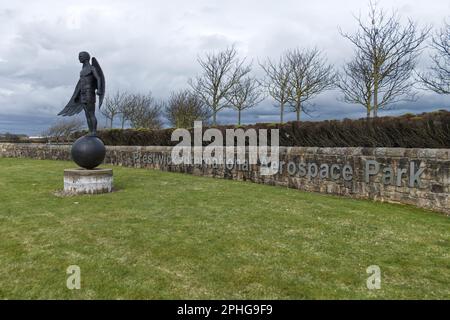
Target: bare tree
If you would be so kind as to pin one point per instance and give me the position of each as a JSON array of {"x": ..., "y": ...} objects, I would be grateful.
[
  {"x": 391, "y": 50},
  {"x": 184, "y": 107},
  {"x": 438, "y": 78},
  {"x": 245, "y": 94},
  {"x": 277, "y": 81},
  {"x": 310, "y": 75},
  {"x": 144, "y": 111},
  {"x": 355, "y": 82},
  {"x": 111, "y": 107},
  {"x": 126, "y": 108},
  {"x": 221, "y": 71},
  {"x": 62, "y": 130}
]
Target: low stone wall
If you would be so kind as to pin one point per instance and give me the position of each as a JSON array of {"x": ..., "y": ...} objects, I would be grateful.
[{"x": 419, "y": 177}]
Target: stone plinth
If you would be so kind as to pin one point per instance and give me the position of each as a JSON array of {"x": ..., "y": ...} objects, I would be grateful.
[{"x": 83, "y": 181}]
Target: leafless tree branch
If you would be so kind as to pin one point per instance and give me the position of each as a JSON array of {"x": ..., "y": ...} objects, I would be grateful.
[
  {"x": 144, "y": 111},
  {"x": 277, "y": 81},
  {"x": 221, "y": 71},
  {"x": 112, "y": 106},
  {"x": 183, "y": 108},
  {"x": 245, "y": 94},
  {"x": 391, "y": 50},
  {"x": 310, "y": 75},
  {"x": 437, "y": 78}
]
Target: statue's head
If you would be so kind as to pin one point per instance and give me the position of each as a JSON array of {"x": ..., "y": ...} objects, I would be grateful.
[{"x": 84, "y": 56}]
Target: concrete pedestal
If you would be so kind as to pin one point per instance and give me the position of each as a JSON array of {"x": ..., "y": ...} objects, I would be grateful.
[{"x": 83, "y": 181}]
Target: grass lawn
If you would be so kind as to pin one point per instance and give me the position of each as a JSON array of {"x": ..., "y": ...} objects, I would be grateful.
[{"x": 167, "y": 235}]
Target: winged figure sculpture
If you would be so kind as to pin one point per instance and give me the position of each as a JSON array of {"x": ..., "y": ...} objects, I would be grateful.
[{"x": 83, "y": 98}]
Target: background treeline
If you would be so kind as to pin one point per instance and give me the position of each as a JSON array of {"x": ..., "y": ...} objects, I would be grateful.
[
  {"x": 13, "y": 138},
  {"x": 381, "y": 73},
  {"x": 426, "y": 130}
]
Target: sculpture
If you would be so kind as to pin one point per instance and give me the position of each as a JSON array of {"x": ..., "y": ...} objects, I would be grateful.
[
  {"x": 88, "y": 151},
  {"x": 83, "y": 98}
]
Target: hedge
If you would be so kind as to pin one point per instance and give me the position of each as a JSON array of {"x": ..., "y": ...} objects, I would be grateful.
[{"x": 426, "y": 130}]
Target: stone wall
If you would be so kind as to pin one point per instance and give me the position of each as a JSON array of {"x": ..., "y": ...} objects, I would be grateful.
[{"x": 419, "y": 177}]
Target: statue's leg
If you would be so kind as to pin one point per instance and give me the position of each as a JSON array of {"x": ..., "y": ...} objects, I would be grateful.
[
  {"x": 88, "y": 119},
  {"x": 91, "y": 111}
]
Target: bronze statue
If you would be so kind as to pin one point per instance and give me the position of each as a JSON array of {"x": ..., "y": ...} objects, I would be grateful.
[{"x": 91, "y": 79}]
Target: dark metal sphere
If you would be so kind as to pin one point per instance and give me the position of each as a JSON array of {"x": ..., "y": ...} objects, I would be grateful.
[{"x": 88, "y": 152}]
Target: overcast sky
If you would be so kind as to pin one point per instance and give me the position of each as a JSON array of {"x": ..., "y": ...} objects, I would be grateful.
[{"x": 153, "y": 46}]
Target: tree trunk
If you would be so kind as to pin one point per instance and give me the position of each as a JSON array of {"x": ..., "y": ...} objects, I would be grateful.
[
  {"x": 368, "y": 112},
  {"x": 375, "y": 100},
  {"x": 111, "y": 123},
  {"x": 375, "y": 89},
  {"x": 281, "y": 112},
  {"x": 214, "y": 108},
  {"x": 299, "y": 108},
  {"x": 239, "y": 117}
]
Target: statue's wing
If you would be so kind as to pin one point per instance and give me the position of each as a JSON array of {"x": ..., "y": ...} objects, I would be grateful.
[
  {"x": 100, "y": 84},
  {"x": 74, "y": 106}
]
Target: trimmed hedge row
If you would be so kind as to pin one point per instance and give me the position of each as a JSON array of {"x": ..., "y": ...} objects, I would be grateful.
[{"x": 426, "y": 130}]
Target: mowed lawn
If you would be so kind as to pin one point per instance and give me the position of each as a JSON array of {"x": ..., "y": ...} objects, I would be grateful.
[{"x": 169, "y": 236}]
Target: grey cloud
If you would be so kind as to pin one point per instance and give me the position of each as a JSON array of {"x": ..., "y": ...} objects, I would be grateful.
[{"x": 153, "y": 46}]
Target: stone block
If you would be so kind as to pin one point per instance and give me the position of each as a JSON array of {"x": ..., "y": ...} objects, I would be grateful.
[{"x": 82, "y": 181}]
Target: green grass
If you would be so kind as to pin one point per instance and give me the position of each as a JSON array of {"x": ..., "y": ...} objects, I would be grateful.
[{"x": 167, "y": 235}]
